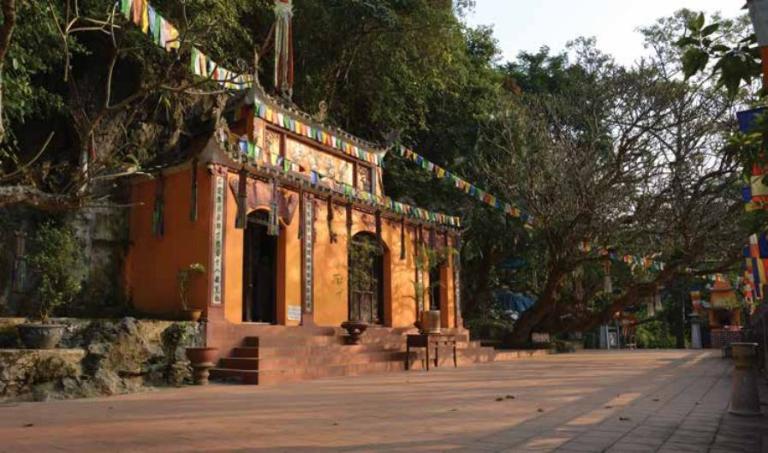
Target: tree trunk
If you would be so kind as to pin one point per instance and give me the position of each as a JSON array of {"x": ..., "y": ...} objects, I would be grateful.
[
  {"x": 534, "y": 316},
  {"x": 31, "y": 196},
  {"x": 6, "y": 30}
]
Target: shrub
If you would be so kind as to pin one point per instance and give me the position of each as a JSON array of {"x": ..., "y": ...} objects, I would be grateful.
[{"x": 56, "y": 260}]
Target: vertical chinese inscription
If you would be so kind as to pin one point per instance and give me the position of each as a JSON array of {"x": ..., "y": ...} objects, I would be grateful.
[
  {"x": 218, "y": 238},
  {"x": 308, "y": 236}
]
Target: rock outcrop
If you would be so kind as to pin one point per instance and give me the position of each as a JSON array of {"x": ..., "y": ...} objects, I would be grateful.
[{"x": 100, "y": 357}]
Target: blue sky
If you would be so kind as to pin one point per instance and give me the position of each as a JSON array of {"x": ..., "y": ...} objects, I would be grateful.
[{"x": 530, "y": 24}]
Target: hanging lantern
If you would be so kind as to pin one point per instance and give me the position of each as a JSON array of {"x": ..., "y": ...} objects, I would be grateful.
[
  {"x": 607, "y": 282},
  {"x": 241, "y": 199},
  {"x": 273, "y": 229},
  {"x": 284, "y": 47},
  {"x": 330, "y": 220}
]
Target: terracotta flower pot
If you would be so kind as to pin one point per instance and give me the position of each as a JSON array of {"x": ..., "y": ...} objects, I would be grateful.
[
  {"x": 202, "y": 359},
  {"x": 40, "y": 336},
  {"x": 355, "y": 330},
  {"x": 430, "y": 321},
  {"x": 193, "y": 315},
  {"x": 202, "y": 355}
]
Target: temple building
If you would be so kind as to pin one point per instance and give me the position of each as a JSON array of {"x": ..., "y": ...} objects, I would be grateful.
[{"x": 291, "y": 224}]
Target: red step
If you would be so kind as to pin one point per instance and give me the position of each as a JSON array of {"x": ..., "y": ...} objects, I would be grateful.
[{"x": 289, "y": 354}]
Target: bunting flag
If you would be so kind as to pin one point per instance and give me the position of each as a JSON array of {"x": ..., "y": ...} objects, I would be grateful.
[
  {"x": 637, "y": 261},
  {"x": 273, "y": 229},
  {"x": 280, "y": 163},
  {"x": 464, "y": 186},
  {"x": 329, "y": 218},
  {"x": 166, "y": 36},
  {"x": 242, "y": 197},
  {"x": 158, "y": 213},
  {"x": 277, "y": 117}
]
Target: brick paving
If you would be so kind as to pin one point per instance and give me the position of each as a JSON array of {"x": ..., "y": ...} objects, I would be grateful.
[{"x": 634, "y": 401}]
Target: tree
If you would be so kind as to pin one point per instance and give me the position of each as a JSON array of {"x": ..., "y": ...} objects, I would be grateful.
[
  {"x": 633, "y": 162},
  {"x": 726, "y": 48}
]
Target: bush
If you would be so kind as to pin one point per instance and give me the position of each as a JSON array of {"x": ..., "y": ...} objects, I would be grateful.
[
  {"x": 654, "y": 335},
  {"x": 56, "y": 260}
]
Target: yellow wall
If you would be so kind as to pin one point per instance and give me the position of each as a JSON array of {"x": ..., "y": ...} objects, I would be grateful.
[
  {"x": 331, "y": 260},
  {"x": 154, "y": 261}
]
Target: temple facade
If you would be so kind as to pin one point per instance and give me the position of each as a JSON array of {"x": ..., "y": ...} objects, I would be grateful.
[{"x": 290, "y": 222}]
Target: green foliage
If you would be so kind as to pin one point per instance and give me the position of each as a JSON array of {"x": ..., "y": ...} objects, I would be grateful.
[
  {"x": 57, "y": 261},
  {"x": 654, "y": 335},
  {"x": 183, "y": 278},
  {"x": 364, "y": 251},
  {"x": 727, "y": 44}
]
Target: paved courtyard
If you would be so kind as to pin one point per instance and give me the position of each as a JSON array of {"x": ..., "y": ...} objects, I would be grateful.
[{"x": 624, "y": 402}]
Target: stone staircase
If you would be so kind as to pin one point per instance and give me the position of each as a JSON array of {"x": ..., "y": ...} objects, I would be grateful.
[{"x": 279, "y": 354}]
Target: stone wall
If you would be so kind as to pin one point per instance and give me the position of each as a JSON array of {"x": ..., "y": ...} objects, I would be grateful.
[
  {"x": 35, "y": 374},
  {"x": 102, "y": 233},
  {"x": 97, "y": 357}
]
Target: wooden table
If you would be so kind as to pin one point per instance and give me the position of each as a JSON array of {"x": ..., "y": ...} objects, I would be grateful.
[{"x": 426, "y": 340}]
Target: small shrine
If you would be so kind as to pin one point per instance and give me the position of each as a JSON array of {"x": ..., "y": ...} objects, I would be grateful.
[{"x": 724, "y": 309}]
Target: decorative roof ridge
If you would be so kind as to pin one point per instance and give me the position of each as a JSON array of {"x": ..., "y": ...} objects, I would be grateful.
[
  {"x": 258, "y": 93},
  {"x": 239, "y": 152}
]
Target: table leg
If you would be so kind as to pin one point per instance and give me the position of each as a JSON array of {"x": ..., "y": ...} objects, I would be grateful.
[
  {"x": 407, "y": 357},
  {"x": 437, "y": 353},
  {"x": 455, "y": 361},
  {"x": 427, "y": 355}
]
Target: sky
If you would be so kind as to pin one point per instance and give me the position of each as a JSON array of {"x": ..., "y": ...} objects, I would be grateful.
[{"x": 529, "y": 24}]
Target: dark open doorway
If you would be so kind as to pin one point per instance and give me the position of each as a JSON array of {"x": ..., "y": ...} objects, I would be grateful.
[
  {"x": 259, "y": 271},
  {"x": 366, "y": 279},
  {"x": 435, "y": 287}
]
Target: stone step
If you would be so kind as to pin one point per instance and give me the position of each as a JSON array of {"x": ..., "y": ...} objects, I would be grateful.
[
  {"x": 320, "y": 372},
  {"x": 320, "y": 359},
  {"x": 331, "y": 336},
  {"x": 245, "y": 370},
  {"x": 507, "y": 355},
  {"x": 292, "y": 340},
  {"x": 246, "y": 377},
  {"x": 307, "y": 351}
]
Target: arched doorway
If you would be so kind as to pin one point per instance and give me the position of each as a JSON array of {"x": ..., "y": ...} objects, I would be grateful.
[
  {"x": 259, "y": 270},
  {"x": 366, "y": 279}
]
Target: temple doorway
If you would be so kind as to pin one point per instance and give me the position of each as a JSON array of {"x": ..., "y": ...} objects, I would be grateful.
[
  {"x": 259, "y": 271},
  {"x": 435, "y": 286},
  {"x": 366, "y": 279}
]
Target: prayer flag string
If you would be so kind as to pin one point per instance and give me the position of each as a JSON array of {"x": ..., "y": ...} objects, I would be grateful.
[
  {"x": 301, "y": 127},
  {"x": 166, "y": 36},
  {"x": 465, "y": 186},
  {"x": 249, "y": 152}
]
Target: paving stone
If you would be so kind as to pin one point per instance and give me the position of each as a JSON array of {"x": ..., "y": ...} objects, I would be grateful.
[{"x": 444, "y": 410}]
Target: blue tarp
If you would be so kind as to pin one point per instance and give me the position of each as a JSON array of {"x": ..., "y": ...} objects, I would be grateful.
[
  {"x": 747, "y": 119},
  {"x": 511, "y": 301}
]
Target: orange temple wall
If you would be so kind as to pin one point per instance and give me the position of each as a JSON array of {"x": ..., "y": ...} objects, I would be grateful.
[{"x": 153, "y": 262}]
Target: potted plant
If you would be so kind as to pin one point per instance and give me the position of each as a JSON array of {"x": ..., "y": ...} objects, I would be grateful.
[
  {"x": 55, "y": 259},
  {"x": 202, "y": 359},
  {"x": 183, "y": 278}
]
